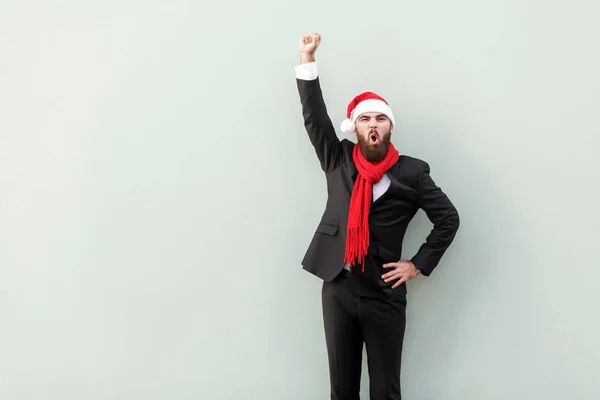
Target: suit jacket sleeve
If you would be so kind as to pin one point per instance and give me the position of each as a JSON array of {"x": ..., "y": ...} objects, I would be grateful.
[
  {"x": 317, "y": 122},
  {"x": 444, "y": 216}
]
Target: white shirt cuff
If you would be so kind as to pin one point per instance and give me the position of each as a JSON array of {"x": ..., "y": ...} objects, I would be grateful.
[{"x": 307, "y": 72}]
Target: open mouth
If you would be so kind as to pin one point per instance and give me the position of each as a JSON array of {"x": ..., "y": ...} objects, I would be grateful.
[{"x": 373, "y": 138}]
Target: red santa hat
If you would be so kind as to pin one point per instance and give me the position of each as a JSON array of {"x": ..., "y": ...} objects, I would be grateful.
[{"x": 364, "y": 103}]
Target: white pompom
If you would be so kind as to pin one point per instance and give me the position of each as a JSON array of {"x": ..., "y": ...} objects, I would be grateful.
[{"x": 347, "y": 126}]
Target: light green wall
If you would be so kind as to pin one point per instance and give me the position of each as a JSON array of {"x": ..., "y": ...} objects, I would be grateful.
[{"x": 158, "y": 192}]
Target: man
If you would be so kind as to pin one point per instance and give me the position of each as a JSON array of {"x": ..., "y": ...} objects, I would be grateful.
[{"x": 373, "y": 193}]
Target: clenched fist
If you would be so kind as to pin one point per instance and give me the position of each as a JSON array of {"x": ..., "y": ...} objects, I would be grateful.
[
  {"x": 308, "y": 46},
  {"x": 309, "y": 43}
]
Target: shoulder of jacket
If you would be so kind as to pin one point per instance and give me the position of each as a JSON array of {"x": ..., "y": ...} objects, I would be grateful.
[
  {"x": 413, "y": 162},
  {"x": 347, "y": 145}
]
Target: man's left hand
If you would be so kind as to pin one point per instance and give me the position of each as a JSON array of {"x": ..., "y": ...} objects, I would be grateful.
[{"x": 403, "y": 270}]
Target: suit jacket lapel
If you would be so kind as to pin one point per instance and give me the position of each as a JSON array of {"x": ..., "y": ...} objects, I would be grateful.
[
  {"x": 353, "y": 171},
  {"x": 392, "y": 174}
]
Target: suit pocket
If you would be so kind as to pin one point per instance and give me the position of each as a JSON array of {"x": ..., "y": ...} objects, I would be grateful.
[
  {"x": 324, "y": 247},
  {"x": 327, "y": 229}
]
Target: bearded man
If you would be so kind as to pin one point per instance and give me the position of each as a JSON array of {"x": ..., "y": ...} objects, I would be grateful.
[{"x": 373, "y": 193}]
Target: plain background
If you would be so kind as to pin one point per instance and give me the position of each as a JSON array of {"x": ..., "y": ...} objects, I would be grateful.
[{"x": 158, "y": 192}]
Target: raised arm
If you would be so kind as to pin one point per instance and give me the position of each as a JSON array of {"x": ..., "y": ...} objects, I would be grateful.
[{"x": 316, "y": 120}]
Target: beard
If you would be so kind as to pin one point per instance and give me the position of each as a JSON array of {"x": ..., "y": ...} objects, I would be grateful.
[{"x": 374, "y": 152}]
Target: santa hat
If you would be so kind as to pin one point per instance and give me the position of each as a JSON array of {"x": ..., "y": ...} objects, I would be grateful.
[{"x": 364, "y": 103}]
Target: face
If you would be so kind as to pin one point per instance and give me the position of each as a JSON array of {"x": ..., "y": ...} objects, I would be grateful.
[{"x": 373, "y": 131}]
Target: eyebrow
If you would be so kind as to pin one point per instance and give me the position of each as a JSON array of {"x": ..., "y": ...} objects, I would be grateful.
[{"x": 377, "y": 116}]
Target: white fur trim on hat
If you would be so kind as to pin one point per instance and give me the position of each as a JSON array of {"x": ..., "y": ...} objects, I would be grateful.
[{"x": 372, "y": 105}]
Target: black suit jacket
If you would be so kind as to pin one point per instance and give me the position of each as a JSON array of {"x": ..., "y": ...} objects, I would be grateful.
[{"x": 411, "y": 188}]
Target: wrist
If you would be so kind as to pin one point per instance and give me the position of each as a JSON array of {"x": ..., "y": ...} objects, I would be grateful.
[
  {"x": 417, "y": 270},
  {"x": 306, "y": 58}
]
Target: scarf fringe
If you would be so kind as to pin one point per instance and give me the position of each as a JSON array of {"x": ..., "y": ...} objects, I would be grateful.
[{"x": 357, "y": 244}]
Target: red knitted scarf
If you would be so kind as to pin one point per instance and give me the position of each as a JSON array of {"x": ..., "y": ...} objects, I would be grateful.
[{"x": 357, "y": 239}]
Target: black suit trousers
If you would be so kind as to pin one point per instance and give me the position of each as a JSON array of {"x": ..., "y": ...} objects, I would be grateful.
[{"x": 351, "y": 320}]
